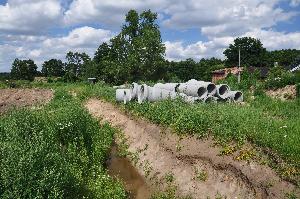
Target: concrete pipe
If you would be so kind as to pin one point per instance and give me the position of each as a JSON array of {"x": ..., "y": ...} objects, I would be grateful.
[
  {"x": 142, "y": 93},
  {"x": 235, "y": 96},
  {"x": 123, "y": 95},
  {"x": 168, "y": 86},
  {"x": 134, "y": 90},
  {"x": 158, "y": 94},
  {"x": 193, "y": 89},
  {"x": 210, "y": 87},
  {"x": 222, "y": 91}
]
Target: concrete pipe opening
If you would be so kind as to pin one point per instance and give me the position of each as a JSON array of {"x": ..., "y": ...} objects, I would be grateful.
[
  {"x": 202, "y": 92},
  {"x": 238, "y": 97},
  {"x": 177, "y": 88},
  {"x": 211, "y": 88},
  {"x": 223, "y": 89}
]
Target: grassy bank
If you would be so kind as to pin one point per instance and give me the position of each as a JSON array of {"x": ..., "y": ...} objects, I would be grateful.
[
  {"x": 270, "y": 124},
  {"x": 55, "y": 152}
]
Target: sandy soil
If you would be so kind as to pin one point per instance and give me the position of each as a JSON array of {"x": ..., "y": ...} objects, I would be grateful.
[
  {"x": 162, "y": 152},
  {"x": 286, "y": 93},
  {"x": 10, "y": 98}
]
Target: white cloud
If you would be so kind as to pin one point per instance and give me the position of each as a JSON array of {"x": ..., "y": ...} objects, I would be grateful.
[
  {"x": 83, "y": 39},
  {"x": 29, "y": 16},
  {"x": 224, "y": 18},
  {"x": 108, "y": 12},
  {"x": 271, "y": 40}
]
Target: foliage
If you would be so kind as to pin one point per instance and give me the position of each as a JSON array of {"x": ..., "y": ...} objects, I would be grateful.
[
  {"x": 56, "y": 152},
  {"x": 134, "y": 54},
  {"x": 284, "y": 57},
  {"x": 252, "y": 52},
  {"x": 189, "y": 69},
  {"x": 248, "y": 80},
  {"x": 279, "y": 77},
  {"x": 23, "y": 69},
  {"x": 298, "y": 90},
  {"x": 76, "y": 63},
  {"x": 53, "y": 67}
]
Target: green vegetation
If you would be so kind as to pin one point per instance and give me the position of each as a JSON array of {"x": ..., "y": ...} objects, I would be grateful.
[
  {"x": 56, "y": 152},
  {"x": 23, "y": 69},
  {"x": 265, "y": 122}
]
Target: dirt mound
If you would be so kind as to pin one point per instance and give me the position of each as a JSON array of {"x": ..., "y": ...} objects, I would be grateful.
[
  {"x": 10, "y": 98},
  {"x": 286, "y": 93},
  {"x": 195, "y": 166}
]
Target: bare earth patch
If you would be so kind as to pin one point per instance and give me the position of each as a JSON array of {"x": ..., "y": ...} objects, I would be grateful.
[
  {"x": 10, "y": 98},
  {"x": 195, "y": 166},
  {"x": 286, "y": 93}
]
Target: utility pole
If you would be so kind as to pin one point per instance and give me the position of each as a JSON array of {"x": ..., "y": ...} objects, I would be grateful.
[{"x": 239, "y": 68}]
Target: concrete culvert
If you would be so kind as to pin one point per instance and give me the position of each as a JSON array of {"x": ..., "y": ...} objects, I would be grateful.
[
  {"x": 211, "y": 89},
  {"x": 123, "y": 95},
  {"x": 235, "y": 96},
  {"x": 134, "y": 90},
  {"x": 157, "y": 94},
  {"x": 167, "y": 86},
  {"x": 142, "y": 93},
  {"x": 193, "y": 89},
  {"x": 222, "y": 91}
]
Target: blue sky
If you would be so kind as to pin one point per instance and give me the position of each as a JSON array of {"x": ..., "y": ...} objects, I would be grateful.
[{"x": 45, "y": 29}]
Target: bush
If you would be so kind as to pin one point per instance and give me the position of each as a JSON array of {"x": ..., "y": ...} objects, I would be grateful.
[
  {"x": 57, "y": 152},
  {"x": 279, "y": 78}
]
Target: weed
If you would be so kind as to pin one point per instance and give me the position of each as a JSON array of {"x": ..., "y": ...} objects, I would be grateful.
[
  {"x": 201, "y": 175},
  {"x": 169, "y": 177}
]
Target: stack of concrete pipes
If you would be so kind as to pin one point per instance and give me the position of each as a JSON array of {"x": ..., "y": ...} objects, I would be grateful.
[{"x": 191, "y": 91}]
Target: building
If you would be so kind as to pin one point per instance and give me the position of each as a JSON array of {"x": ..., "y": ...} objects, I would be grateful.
[{"x": 223, "y": 73}]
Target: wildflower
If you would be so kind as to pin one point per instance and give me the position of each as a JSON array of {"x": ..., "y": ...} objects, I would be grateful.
[{"x": 285, "y": 136}]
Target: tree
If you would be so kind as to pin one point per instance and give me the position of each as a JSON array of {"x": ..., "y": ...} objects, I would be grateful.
[
  {"x": 137, "y": 53},
  {"x": 23, "y": 69},
  {"x": 53, "y": 67},
  {"x": 76, "y": 63},
  {"x": 252, "y": 52},
  {"x": 284, "y": 57}
]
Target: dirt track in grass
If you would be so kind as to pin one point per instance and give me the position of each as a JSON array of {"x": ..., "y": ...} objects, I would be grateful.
[{"x": 196, "y": 166}]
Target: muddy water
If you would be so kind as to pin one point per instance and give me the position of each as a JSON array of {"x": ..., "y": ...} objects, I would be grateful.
[{"x": 122, "y": 168}]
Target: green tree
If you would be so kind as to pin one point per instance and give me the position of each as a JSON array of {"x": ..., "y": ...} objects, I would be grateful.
[
  {"x": 53, "y": 67},
  {"x": 284, "y": 57},
  {"x": 23, "y": 69},
  {"x": 137, "y": 53},
  {"x": 252, "y": 52},
  {"x": 76, "y": 63}
]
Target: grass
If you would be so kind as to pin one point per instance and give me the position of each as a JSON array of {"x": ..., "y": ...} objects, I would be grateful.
[
  {"x": 267, "y": 123},
  {"x": 56, "y": 152}
]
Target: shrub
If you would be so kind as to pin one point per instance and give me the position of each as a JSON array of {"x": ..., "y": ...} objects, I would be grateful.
[{"x": 279, "y": 77}]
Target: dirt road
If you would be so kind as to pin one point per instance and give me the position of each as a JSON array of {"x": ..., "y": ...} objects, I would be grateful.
[{"x": 194, "y": 165}]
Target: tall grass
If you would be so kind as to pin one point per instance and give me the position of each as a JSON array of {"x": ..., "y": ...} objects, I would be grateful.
[{"x": 55, "y": 152}]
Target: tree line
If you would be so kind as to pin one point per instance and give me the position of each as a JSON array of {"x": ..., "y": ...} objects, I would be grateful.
[{"x": 137, "y": 53}]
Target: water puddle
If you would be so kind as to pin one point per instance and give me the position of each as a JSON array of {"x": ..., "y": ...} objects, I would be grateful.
[{"x": 121, "y": 168}]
